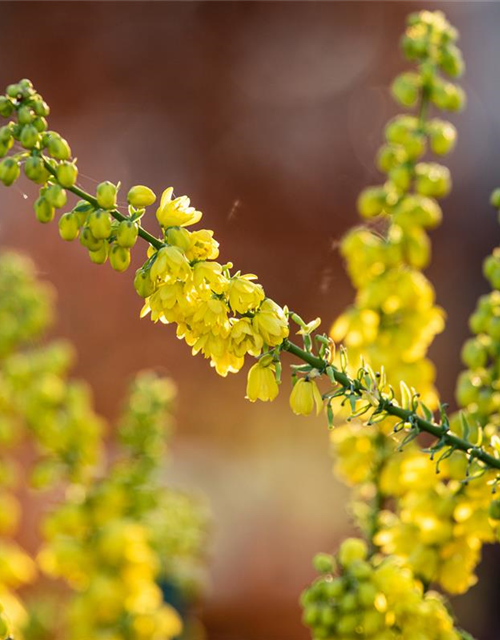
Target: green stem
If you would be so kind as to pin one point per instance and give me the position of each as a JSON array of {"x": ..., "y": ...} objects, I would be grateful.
[{"x": 438, "y": 431}]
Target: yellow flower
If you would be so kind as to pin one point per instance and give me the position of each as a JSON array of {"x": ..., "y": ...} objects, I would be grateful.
[
  {"x": 170, "y": 265},
  {"x": 305, "y": 394},
  {"x": 271, "y": 323},
  {"x": 176, "y": 212},
  {"x": 244, "y": 339},
  {"x": 244, "y": 294},
  {"x": 261, "y": 383}
]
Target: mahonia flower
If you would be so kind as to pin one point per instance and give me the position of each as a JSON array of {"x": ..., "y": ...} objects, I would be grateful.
[
  {"x": 305, "y": 394},
  {"x": 262, "y": 384},
  {"x": 176, "y": 212}
]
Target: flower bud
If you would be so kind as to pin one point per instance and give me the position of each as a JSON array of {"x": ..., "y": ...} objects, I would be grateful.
[
  {"x": 451, "y": 61},
  {"x": 448, "y": 96},
  {"x": 69, "y": 227},
  {"x": 56, "y": 196},
  {"x": 67, "y": 173},
  {"x": 6, "y": 134},
  {"x": 143, "y": 284},
  {"x": 401, "y": 177},
  {"x": 351, "y": 550},
  {"x": 44, "y": 210},
  {"x": 106, "y": 195},
  {"x": 495, "y": 199},
  {"x": 119, "y": 258},
  {"x": 324, "y": 563},
  {"x": 6, "y": 107},
  {"x": 406, "y": 89},
  {"x": 13, "y": 90},
  {"x": 100, "y": 224},
  {"x": 474, "y": 353},
  {"x": 41, "y": 108},
  {"x": 101, "y": 255},
  {"x": 432, "y": 179},
  {"x": 126, "y": 234},
  {"x": 88, "y": 240},
  {"x": 29, "y": 136},
  {"x": 82, "y": 211},
  {"x": 35, "y": 170},
  {"x": 24, "y": 115},
  {"x": 5, "y": 148},
  {"x": 40, "y": 124},
  {"x": 57, "y": 147},
  {"x": 443, "y": 136},
  {"x": 9, "y": 171},
  {"x": 371, "y": 202},
  {"x": 140, "y": 196}
]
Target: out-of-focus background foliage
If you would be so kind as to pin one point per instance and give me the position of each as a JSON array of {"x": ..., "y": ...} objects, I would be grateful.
[{"x": 268, "y": 115}]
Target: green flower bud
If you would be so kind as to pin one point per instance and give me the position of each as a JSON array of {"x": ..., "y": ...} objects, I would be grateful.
[
  {"x": 126, "y": 234},
  {"x": 401, "y": 177},
  {"x": 82, "y": 211},
  {"x": 448, "y": 96},
  {"x": 5, "y": 148},
  {"x": 35, "y": 170},
  {"x": 6, "y": 107},
  {"x": 143, "y": 284},
  {"x": 56, "y": 196},
  {"x": 352, "y": 549},
  {"x": 335, "y": 588},
  {"x": 26, "y": 87},
  {"x": 40, "y": 124},
  {"x": 29, "y": 136},
  {"x": 119, "y": 258},
  {"x": 25, "y": 115},
  {"x": 493, "y": 327},
  {"x": 323, "y": 563},
  {"x": 467, "y": 389},
  {"x": 414, "y": 48},
  {"x": 100, "y": 224},
  {"x": 106, "y": 195},
  {"x": 57, "y": 147},
  {"x": 406, "y": 89},
  {"x": 13, "y": 90},
  {"x": 88, "y": 240},
  {"x": 371, "y": 202},
  {"x": 9, "y": 171},
  {"x": 101, "y": 255},
  {"x": 495, "y": 199},
  {"x": 41, "y": 108},
  {"x": 390, "y": 156},
  {"x": 44, "y": 210},
  {"x": 432, "y": 179},
  {"x": 140, "y": 196},
  {"x": 451, "y": 61},
  {"x": 474, "y": 354},
  {"x": 494, "y": 510},
  {"x": 69, "y": 228},
  {"x": 67, "y": 173},
  {"x": 443, "y": 136},
  {"x": 6, "y": 134}
]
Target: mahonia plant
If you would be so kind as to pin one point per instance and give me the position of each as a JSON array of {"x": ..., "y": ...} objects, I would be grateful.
[
  {"x": 118, "y": 533},
  {"x": 378, "y": 379}
]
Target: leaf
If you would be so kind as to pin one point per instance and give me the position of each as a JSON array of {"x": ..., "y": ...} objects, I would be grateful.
[{"x": 465, "y": 426}]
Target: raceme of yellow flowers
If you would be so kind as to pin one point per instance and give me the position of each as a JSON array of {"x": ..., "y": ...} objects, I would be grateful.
[
  {"x": 438, "y": 524},
  {"x": 115, "y": 539}
]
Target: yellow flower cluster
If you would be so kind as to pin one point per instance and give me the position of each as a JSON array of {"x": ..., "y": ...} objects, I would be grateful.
[
  {"x": 372, "y": 598},
  {"x": 394, "y": 318},
  {"x": 146, "y": 532},
  {"x": 223, "y": 316},
  {"x": 439, "y": 524}
]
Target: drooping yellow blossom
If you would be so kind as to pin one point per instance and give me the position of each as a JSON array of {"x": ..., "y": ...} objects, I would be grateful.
[
  {"x": 261, "y": 383},
  {"x": 305, "y": 395}
]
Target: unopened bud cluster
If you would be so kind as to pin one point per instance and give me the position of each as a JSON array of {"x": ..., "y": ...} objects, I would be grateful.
[{"x": 357, "y": 596}]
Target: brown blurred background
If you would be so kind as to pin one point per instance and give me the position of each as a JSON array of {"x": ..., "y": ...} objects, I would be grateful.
[{"x": 268, "y": 115}]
